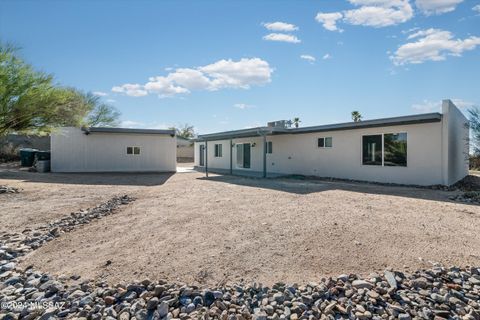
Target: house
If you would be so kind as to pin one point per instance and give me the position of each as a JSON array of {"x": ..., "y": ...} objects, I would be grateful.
[
  {"x": 113, "y": 150},
  {"x": 184, "y": 150},
  {"x": 424, "y": 149}
]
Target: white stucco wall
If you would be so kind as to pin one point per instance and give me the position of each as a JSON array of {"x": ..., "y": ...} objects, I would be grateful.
[
  {"x": 73, "y": 151},
  {"x": 455, "y": 144},
  {"x": 436, "y": 153}
]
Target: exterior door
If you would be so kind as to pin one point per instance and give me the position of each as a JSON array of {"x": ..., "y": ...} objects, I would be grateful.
[
  {"x": 202, "y": 155},
  {"x": 246, "y": 155}
]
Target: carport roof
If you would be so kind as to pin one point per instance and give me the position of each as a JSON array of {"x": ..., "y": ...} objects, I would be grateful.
[
  {"x": 126, "y": 130},
  {"x": 384, "y": 122}
]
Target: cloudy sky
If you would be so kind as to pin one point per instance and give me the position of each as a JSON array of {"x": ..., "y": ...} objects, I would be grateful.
[{"x": 223, "y": 65}]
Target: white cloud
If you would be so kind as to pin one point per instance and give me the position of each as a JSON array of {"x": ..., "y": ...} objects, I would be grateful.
[
  {"x": 329, "y": 20},
  {"x": 243, "y": 106},
  {"x": 243, "y": 73},
  {"x": 429, "y": 7},
  {"x": 131, "y": 89},
  {"x": 99, "y": 93},
  {"x": 308, "y": 57},
  {"x": 427, "y": 106},
  {"x": 326, "y": 56},
  {"x": 372, "y": 13},
  {"x": 433, "y": 45},
  {"x": 281, "y": 37},
  {"x": 435, "y": 106},
  {"x": 476, "y": 8},
  {"x": 280, "y": 26}
]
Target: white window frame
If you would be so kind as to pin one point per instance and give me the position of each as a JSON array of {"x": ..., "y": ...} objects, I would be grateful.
[
  {"x": 133, "y": 151},
  {"x": 324, "y": 145},
  {"x": 383, "y": 148},
  {"x": 220, "y": 150}
]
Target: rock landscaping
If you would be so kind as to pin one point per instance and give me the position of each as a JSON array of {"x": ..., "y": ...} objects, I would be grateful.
[
  {"x": 437, "y": 293},
  {"x": 7, "y": 189}
]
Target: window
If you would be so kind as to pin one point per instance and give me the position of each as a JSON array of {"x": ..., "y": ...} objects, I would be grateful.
[
  {"x": 269, "y": 147},
  {"x": 133, "y": 150},
  {"x": 326, "y": 142},
  {"x": 218, "y": 150},
  {"x": 395, "y": 149},
  {"x": 389, "y": 149},
  {"x": 372, "y": 150}
]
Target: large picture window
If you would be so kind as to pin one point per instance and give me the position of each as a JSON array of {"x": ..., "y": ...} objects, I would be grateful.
[
  {"x": 372, "y": 150},
  {"x": 389, "y": 149},
  {"x": 395, "y": 149}
]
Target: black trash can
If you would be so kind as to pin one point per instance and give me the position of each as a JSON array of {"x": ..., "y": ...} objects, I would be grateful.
[
  {"x": 42, "y": 155},
  {"x": 27, "y": 156}
]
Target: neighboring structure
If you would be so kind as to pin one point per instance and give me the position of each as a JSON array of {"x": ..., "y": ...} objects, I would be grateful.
[
  {"x": 113, "y": 150},
  {"x": 425, "y": 149},
  {"x": 184, "y": 150}
]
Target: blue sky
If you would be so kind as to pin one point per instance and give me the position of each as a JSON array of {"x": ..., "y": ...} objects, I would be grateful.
[{"x": 223, "y": 65}]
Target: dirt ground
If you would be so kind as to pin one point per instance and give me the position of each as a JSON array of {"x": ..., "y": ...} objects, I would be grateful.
[{"x": 187, "y": 228}]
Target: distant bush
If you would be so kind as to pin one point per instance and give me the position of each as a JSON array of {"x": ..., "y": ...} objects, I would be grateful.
[
  {"x": 8, "y": 152},
  {"x": 475, "y": 162}
]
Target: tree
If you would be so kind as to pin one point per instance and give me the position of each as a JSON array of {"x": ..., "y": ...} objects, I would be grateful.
[
  {"x": 100, "y": 114},
  {"x": 186, "y": 131},
  {"x": 30, "y": 102},
  {"x": 296, "y": 122},
  {"x": 474, "y": 117},
  {"x": 356, "y": 116}
]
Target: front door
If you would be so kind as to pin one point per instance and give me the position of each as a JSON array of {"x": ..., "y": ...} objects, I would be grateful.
[
  {"x": 243, "y": 155},
  {"x": 202, "y": 155}
]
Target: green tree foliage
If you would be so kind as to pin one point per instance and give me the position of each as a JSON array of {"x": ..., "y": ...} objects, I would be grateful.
[
  {"x": 474, "y": 117},
  {"x": 100, "y": 114},
  {"x": 356, "y": 116},
  {"x": 31, "y": 103},
  {"x": 296, "y": 122},
  {"x": 185, "y": 131}
]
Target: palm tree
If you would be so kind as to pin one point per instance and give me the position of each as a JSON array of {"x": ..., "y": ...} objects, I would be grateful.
[
  {"x": 356, "y": 116},
  {"x": 296, "y": 122}
]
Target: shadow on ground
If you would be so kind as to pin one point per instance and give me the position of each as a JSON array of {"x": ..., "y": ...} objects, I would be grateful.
[
  {"x": 14, "y": 172},
  {"x": 307, "y": 186}
]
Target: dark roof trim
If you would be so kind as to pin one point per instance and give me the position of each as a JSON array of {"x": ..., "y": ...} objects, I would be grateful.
[
  {"x": 384, "y": 122},
  {"x": 243, "y": 133},
  {"x": 126, "y": 130}
]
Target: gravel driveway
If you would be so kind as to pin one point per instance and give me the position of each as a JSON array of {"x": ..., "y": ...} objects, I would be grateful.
[{"x": 222, "y": 229}]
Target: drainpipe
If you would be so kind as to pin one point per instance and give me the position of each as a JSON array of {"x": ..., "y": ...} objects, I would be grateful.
[
  {"x": 206, "y": 158},
  {"x": 231, "y": 157}
]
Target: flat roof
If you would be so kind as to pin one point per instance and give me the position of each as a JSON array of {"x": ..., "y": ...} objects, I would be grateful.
[
  {"x": 383, "y": 122},
  {"x": 127, "y": 130}
]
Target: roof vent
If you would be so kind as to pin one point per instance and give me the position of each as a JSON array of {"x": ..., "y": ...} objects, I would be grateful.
[{"x": 280, "y": 124}]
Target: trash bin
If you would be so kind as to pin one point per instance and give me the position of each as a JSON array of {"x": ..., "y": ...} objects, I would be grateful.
[
  {"x": 27, "y": 156},
  {"x": 42, "y": 155},
  {"x": 43, "y": 165}
]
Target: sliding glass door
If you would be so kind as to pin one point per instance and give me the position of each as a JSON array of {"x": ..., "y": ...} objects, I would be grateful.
[{"x": 243, "y": 155}]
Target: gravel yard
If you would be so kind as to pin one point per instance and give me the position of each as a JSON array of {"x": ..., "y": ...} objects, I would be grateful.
[{"x": 224, "y": 229}]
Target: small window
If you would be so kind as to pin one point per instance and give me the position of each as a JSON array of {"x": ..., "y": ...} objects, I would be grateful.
[
  {"x": 372, "y": 150},
  {"x": 395, "y": 149},
  {"x": 269, "y": 147},
  {"x": 326, "y": 142},
  {"x": 218, "y": 150},
  {"x": 133, "y": 150}
]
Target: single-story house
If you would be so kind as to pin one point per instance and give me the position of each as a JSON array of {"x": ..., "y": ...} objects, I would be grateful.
[
  {"x": 423, "y": 149},
  {"x": 113, "y": 150}
]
